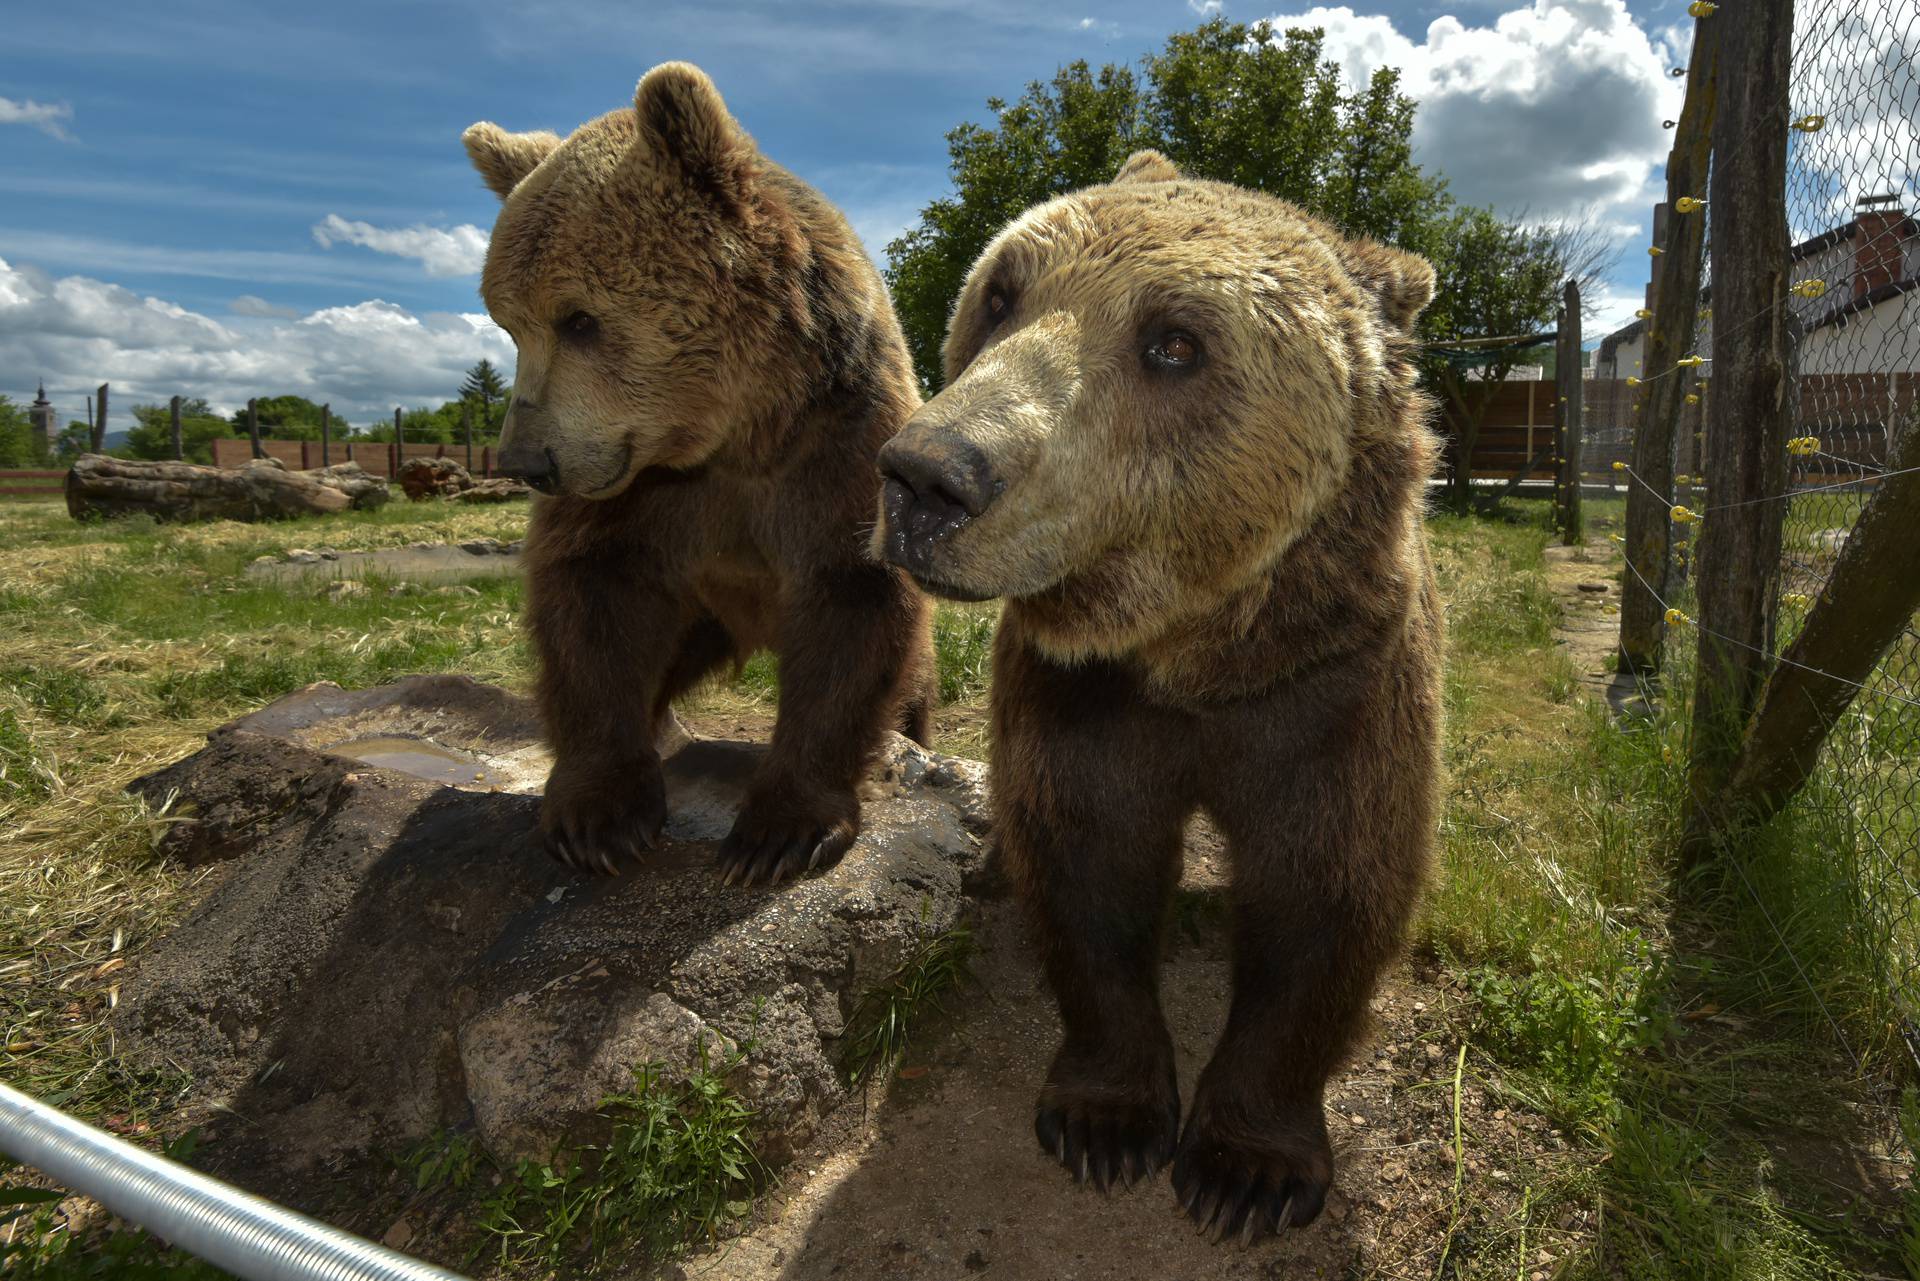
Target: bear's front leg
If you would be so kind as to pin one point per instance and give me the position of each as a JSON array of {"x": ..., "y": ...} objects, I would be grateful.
[
  {"x": 1089, "y": 814},
  {"x": 606, "y": 630},
  {"x": 1329, "y": 845},
  {"x": 851, "y": 645}
]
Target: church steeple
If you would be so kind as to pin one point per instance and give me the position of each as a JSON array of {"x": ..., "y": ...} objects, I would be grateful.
[{"x": 42, "y": 418}]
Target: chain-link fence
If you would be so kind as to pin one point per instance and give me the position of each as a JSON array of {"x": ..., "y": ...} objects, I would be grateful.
[
  {"x": 1845, "y": 327},
  {"x": 1853, "y": 161}
]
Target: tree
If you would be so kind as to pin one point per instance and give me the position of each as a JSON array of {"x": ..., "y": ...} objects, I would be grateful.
[
  {"x": 287, "y": 418},
  {"x": 151, "y": 436},
  {"x": 76, "y": 440},
  {"x": 18, "y": 445},
  {"x": 484, "y": 386},
  {"x": 1227, "y": 101}
]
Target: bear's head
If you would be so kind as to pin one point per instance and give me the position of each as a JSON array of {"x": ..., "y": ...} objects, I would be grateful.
[
  {"x": 1153, "y": 388},
  {"x": 618, "y": 265}
]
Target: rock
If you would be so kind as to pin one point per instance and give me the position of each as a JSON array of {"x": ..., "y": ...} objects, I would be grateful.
[
  {"x": 301, "y": 556},
  {"x": 390, "y": 941},
  {"x": 497, "y": 490},
  {"x": 347, "y": 589},
  {"x": 1592, "y": 587},
  {"x": 483, "y": 547},
  {"x": 423, "y": 478},
  {"x": 457, "y": 589}
]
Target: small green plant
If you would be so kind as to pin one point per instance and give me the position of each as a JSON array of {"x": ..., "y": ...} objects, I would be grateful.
[
  {"x": 1909, "y": 1239},
  {"x": 885, "y": 1018},
  {"x": 963, "y": 650},
  {"x": 444, "y": 1161},
  {"x": 1575, "y": 1032},
  {"x": 679, "y": 1166},
  {"x": 35, "y": 1244}
]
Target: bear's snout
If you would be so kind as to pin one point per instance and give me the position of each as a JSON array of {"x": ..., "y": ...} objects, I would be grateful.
[
  {"x": 533, "y": 464},
  {"x": 932, "y": 484}
]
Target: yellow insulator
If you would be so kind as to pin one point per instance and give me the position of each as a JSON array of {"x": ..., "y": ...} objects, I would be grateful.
[
  {"x": 1633, "y": 382},
  {"x": 1675, "y": 618},
  {"x": 1692, "y": 399},
  {"x": 1809, "y": 123},
  {"x": 1689, "y": 204},
  {"x": 1654, "y": 251},
  {"x": 1645, "y": 313},
  {"x": 1683, "y": 515},
  {"x": 1666, "y": 754},
  {"x": 1679, "y": 480},
  {"x": 1702, "y": 8},
  {"x": 1619, "y": 466},
  {"x": 1808, "y": 289},
  {"x": 1690, "y": 362}
]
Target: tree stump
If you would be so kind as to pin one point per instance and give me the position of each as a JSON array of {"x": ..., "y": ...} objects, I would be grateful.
[
  {"x": 262, "y": 490},
  {"x": 423, "y": 478}
]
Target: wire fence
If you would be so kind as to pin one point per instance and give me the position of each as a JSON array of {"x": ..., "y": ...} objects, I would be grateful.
[
  {"x": 1853, "y": 157},
  {"x": 1851, "y": 302}
]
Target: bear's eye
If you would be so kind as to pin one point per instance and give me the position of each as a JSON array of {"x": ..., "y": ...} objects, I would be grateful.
[
  {"x": 1175, "y": 351},
  {"x": 579, "y": 327},
  {"x": 997, "y": 305}
]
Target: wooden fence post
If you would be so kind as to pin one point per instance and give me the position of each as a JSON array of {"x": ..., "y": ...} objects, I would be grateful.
[
  {"x": 466, "y": 418},
  {"x": 1670, "y": 332},
  {"x": 1863, "y": 609},
  {"x": 1751, "y": 409},
  {"x": 326, "y": 434},
  {"x": 173, "y": 423},
  {"x": 100, "y": 421},
  {"x": 253, "y": 428},
  {"x": 1567, "y": 373},
  {"x": 399, "y": 444}
]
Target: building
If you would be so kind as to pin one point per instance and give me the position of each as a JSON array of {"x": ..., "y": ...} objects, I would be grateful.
[
  {"x": 43, "y": 419},
  {"x": 1854, "y": 292}
]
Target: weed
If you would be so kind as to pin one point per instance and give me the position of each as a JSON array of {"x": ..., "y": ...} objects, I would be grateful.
[
  {"x": 963, "y": 649},
  {"x": 679, "y": 1166},
  {"x": 884, "y": 1019}
]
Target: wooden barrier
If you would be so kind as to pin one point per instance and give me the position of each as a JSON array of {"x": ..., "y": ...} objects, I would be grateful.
[
  {"x": 380, "y": 457},
  {"x": 31, "y": 484}
]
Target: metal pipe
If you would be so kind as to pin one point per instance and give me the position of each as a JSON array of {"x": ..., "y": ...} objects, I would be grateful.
[{"x": 249, "y": 1237}]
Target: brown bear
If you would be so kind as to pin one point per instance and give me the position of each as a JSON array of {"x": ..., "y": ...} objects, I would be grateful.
[
  {"x": 708, "y": 366},
  {"x": 1181, "y": 436}
]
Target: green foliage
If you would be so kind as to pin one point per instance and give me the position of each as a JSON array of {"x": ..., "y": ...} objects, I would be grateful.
[
  {"x": 678, "y": 1166},
  {"x": 61, "y": 693},
  {"x": 23, "y": 774},
  {"x": 287, "y": 418},
  {"x": 484, "y": 388},
  {"x": 151, "y": 436},
  {"x": 1239, "y": 103},
  {"x": 963, "y": 649},
  {"x": 19, "y": 447},
  {"x": 1574, "y": 1029},
  {"x": 884, "y": 1019},
  {"x": 34, "y": 1245}
]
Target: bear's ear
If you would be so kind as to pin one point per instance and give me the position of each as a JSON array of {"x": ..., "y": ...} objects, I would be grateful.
[
  {"x": 503, "y": 158},
  {"x": 684, "y": 124},
  {"x": 1147, "y": 166},
  {"x": 1403, "y": 282}
]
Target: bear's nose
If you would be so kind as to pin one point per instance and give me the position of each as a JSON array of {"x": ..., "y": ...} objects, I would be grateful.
[
  {"x": 537, "y": 466},
  {"x": 941, "y": 470},
  {"x": 929, "y": 487}
]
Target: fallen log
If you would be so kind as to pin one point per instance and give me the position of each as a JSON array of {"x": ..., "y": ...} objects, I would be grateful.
[{"x": 98, "y": 485}]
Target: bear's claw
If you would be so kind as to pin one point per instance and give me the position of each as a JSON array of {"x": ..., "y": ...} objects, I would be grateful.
[
  {"x": 594, "y": 822},
  {"x": 751, "y": 856},
  {"x": 1106, "y": 1143},
  {"x": 1229, "y": 1192}
]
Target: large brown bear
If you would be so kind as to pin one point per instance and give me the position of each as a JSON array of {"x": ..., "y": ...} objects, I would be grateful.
[
  {"x": 1181, "y": 437},
  {"x": 708, "y": 365}
]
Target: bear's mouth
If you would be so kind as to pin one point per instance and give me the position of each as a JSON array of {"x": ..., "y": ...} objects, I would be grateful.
[
  {"x": 949, "y": 591},
  {"x": 621, "y": 474}
]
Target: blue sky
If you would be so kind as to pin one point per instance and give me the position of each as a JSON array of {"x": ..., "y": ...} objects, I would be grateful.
[{"x": 165, "y": 167}]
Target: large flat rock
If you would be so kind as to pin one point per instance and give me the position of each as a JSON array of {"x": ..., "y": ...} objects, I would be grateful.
[{"x": 387, "y": 951}]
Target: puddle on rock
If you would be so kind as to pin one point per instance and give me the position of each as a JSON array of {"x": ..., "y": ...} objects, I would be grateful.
[{"x": 421, "y": 758}]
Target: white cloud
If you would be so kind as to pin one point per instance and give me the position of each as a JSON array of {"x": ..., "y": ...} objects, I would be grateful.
[
  {"x": 443, "y": 251},
  {"x": 365, "y": 358},
  {"x": 47, "y": 117},
  {"x": 1206, "y": 8},
  {"x": 1554, "y": 108},
  {"x": 252, "y": 305}
]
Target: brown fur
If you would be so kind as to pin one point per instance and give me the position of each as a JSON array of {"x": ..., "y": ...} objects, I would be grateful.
[
  {"x": 713, "y": 435},
  {"x": 1219, "y": 599}
]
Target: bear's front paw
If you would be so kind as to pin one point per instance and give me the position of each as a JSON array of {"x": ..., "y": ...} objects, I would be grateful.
[
  {"x": 591, "y": 819},
  {"x": 1232, "y": 1182},
  {"x": 1106, "y": 1133},
  {"x": 785, "y": 830}
]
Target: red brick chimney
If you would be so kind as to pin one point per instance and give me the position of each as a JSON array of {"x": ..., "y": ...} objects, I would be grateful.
[{"x": 1880, "y": 228}]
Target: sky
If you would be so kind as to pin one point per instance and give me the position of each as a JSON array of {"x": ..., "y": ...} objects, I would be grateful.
[{"x": 223, "y": 199}]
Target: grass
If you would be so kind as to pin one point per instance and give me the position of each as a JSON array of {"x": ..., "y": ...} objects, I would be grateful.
[
  {"x": 885, "y": 1019},
  {"x": 1697, "y": 1049}
]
